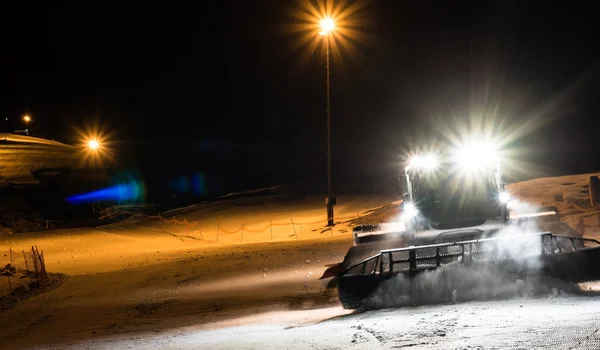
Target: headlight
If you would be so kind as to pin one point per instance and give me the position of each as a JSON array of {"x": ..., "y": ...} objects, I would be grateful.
[
  {"x": 409, "y": 211},
  {"x": 504, "y": 197},
  {"x": 425, "y": 162},
  {"x": 476, "y": 156},
  {"x": 429, "y": 162},
  {"x": 414, "y": 161}
]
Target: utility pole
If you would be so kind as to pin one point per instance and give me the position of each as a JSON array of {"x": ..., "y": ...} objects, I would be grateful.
[
  {"x": 327, "y": 26},
  {"x": 330, "y": 201}
]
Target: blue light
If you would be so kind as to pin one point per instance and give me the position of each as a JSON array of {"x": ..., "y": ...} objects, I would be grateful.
[
  {"x": 199, "y": 184},
  {"x": 189, "y": 184},
  {"x": 121, "y": 193}
]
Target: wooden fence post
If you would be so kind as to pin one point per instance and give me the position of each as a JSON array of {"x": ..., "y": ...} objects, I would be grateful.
[
  {"x": 295, "y": 233},
  {"x": 43, "y": 263},
  {"x": 25, "y": 259},
  {"x": 35, "y": 265},
  {"x": 10, "y": 255},
  {"x": 594, "y": 190}
]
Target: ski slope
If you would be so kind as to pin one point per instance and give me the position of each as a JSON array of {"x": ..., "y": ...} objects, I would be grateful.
[
  {"x": 19, "y": 155},
  {"x": 142, "y": 285}
]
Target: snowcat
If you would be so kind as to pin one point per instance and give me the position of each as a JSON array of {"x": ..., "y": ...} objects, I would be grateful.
[{"x": 455, "y": 215}]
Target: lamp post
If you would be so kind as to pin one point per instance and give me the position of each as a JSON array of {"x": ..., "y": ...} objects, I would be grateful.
[
  {"x": 327, "y": 26},
  {"x": 26, "y": 120}
]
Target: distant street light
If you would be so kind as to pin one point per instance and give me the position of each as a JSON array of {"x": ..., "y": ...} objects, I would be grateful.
[
  {"x": 26, "y": 120},
  {"x": 93, "y": 145},
  {"x": 327, "y": 26}
]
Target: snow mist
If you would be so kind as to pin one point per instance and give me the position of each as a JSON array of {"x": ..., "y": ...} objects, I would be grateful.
[{"x": 476, "y": 280}]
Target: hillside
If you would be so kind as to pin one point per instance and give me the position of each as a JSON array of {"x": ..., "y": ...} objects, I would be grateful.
[
  {"x": 19, "y": 155},
  {"x": 209, "y": 267}
]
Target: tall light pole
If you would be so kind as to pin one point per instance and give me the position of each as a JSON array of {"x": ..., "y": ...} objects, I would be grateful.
[{"x": 327, "y": 25}]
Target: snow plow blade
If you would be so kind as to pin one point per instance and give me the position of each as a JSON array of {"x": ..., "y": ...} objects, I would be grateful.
[{"x": 541, "y": 255}]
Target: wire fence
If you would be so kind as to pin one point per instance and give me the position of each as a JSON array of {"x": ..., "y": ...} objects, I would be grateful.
[
  {"x": 25, "y": 260},
  {"x": 14, "y": 262},
  {"x": 221, "y": 233}
]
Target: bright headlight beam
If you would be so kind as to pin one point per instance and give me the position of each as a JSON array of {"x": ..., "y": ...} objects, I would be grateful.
[
  {"x": 409, "y": 211},
  {"x": 504, "y": 197},
  {"x": 429, "y": 162},
  {"x": 476, "y": 156},
  {"x": 414, "y": 162},
  {"x": 425, "y": 162}
]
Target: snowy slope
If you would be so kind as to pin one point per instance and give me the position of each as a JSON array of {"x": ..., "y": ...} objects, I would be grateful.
[
  {"x": 570, "y": 194},
  {"x": 149, "y": 284},
  {"x": 21, "y": 154}
]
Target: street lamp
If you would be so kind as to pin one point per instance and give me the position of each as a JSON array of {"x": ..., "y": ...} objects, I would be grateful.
[
  {"x": 336, "y": 22},
  {"x": 26, "y": 120},
  {"x": 327, "y": 26},
  {"x": 93, "y": 145}
]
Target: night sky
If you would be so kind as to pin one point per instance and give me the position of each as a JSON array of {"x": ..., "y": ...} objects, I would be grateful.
[{"x": 225, "y": 76}]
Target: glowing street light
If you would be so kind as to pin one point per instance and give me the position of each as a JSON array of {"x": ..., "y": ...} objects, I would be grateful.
[
  {"x": 94, "y": 142},
  {"x": 27, "y": 119},
  {"x": 93, "y": 145},
  {"x": 327, "y": 25}
]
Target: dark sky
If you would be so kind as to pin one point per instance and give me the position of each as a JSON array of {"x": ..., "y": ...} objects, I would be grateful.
[{"x": 226, "y": 71}]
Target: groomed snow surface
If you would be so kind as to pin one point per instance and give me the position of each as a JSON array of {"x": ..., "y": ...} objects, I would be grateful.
[
  {"x": 20, "y": 154},
  {"x": 567, "y": 322},
  {"x": 143, "y": 285}
]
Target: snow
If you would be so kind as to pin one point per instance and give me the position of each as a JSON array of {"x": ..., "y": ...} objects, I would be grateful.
[
  {"x": 20, "y": 154},
  {"x": 569, "y": 194},
  {"x": 146, "y": 285},
  {"x": 259, "y": 191},
  {"x": 30, "y": 139},
  {"x": 564, "y": 322},
  {"x": 532, "y": 324},
  {"x": 126, "y": 278}
]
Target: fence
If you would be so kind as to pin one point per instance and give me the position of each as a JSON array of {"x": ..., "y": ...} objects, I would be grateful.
[
  {"x": 25, "y": 261},
  {"x": 243, "y": 230},
  {"x": 118, "y": 211}
]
